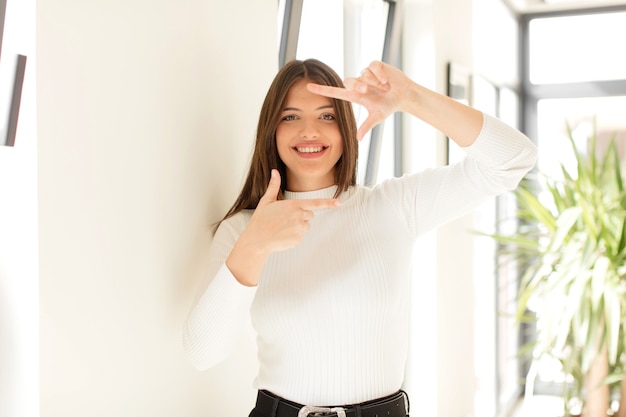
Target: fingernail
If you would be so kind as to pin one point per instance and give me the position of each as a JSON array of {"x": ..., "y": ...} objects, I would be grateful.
[{"x": 338, "y": 203}]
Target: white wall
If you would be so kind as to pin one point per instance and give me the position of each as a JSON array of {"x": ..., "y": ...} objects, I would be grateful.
[
  {"x": 455, "y": 301},
  {"x": 442, "y": 378},
  {"x": 420, "y": 151},
  {"x": 147, "y": 111},
  {"x": 146, "y": 116},
  {"x": 18, "y": 231},
  {"x": 496, "y": 58},
  {"x": 496, "y": 43}
]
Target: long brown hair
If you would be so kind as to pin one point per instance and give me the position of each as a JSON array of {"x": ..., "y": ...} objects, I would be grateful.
[{"x": 265, "y": 156}]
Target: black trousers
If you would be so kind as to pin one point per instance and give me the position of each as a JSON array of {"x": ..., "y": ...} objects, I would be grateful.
[
  {"x": 401, "y": 405},
  {"x": 257, "y": 413}
]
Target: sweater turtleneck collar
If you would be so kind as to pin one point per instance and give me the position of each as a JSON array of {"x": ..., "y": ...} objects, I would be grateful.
[{"x": 328, "y": 192}]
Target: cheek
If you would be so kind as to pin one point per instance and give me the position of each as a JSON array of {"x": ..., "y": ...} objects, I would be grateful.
[
  {"x": 281, "y": 141},
  {"x": 279, "y": 133},
  {"x": 338, "y": 140},
  {"x": 283, "y": 133}
]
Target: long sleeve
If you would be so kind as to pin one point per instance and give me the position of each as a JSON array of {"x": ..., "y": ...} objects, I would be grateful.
[
  {"x": 503, "y": 154},
  {"x": 496, "y": 162},
  {"x": 214, "y": 324}
]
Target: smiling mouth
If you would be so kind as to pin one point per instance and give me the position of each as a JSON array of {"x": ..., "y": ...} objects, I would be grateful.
[{"x": 310, "y": 149}]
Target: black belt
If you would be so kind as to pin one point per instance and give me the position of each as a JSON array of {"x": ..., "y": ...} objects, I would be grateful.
[{"x": 395, "y": 405}]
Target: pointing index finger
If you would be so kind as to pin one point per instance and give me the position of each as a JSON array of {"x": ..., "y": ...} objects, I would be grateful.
[
  {"x": 319, "y": 203},
  {"x": 333, "y": 92}
]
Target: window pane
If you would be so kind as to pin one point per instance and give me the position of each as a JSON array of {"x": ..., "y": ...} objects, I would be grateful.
[
  {"x": 348, "y": 36},
  {"x": 345, "y": 35},
  {"x": 577, "y": 48},
  {"x": 321, "y": 33},
  {"x": 580, "y": 113}
]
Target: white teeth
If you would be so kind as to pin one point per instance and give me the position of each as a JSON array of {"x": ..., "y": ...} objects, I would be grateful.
[{"x": 310, "y": 149}]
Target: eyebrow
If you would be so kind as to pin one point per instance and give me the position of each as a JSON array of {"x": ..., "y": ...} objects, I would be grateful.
[{"x": 326, "y": 106}]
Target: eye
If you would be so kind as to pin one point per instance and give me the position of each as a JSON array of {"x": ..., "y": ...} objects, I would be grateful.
[
  {"x": 328, "y": 116},
  {"x": 289, "y": 118}
]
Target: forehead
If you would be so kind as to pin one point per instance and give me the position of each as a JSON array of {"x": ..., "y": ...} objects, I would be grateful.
[{"x": 298, "y": 96}]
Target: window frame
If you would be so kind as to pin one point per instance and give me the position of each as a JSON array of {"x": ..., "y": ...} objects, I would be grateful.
[
  {"x": 532, "y": 93},
  {"x": 391, "y": 53}
]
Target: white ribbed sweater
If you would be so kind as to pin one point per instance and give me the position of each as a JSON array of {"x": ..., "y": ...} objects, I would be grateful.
[{"x": 331, "y": 314}]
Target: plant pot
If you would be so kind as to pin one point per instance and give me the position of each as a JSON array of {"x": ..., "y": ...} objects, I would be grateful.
[
  {"x": 621, "y": 412},
  {"x": 597, "y": 398}
]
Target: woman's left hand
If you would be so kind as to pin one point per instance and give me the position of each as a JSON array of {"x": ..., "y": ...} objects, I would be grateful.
[{"x": 380, "y": 88}]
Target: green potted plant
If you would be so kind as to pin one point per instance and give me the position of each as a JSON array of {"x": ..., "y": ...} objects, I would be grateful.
[{"x": 572, "y": 244}]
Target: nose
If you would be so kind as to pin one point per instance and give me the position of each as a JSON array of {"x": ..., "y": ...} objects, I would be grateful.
[{"x": 309, "y": 129}]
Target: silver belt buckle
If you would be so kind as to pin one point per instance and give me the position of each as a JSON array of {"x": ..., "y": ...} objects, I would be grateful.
[{"x": 320, "y": 411}]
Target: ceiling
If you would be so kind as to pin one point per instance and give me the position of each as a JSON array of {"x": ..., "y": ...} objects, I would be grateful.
[{"x": 537, "y": 6}]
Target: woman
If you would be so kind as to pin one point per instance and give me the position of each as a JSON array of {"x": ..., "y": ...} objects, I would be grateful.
[{"x": 323, "y": 265}]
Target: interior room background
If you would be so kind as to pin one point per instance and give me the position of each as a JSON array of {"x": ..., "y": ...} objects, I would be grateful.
[{"x": 136, "y": 126}]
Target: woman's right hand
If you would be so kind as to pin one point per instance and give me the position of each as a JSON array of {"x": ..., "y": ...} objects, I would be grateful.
[
  {"x": 381, "y": 88},
  {"x": 276, "y": 225}
]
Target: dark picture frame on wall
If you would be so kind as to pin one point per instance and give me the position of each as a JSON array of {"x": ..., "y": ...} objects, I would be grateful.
[
  {"x": 3, "y": 12},
  {"x": 12, "y": 72},
  {"x": 12, "y": 96},
  {"x": 485, "y": 95},
  {"x": 459, "y": 88},
  {"x": 503, "y": 102}
]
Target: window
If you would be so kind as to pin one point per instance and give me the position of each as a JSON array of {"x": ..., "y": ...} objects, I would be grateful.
[
  {"x": 347, "y": 35},
  {"x": 606, "y": 113},
  {"x": 572, "y": 55},
  {"x": 574, "y": 72},
  {"x": 577, "y": 48}
]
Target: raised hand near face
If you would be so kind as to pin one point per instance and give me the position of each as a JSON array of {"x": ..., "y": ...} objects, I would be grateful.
[
  {"x": 281, "y": 224},
  {"x": 275, "y": 225},
  {"x": 380, "y": 88}
]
